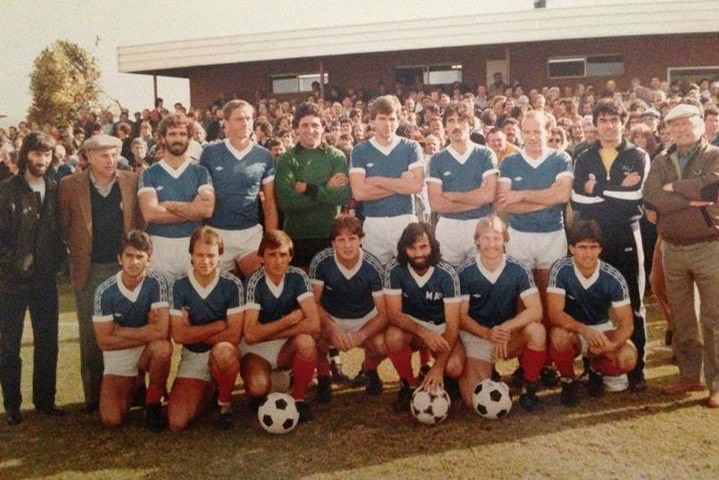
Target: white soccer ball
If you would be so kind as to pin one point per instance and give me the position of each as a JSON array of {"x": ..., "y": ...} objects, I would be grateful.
[
  {"x": 492, "y": 399},
  {"x": 430, "y": 407},
  {"x": 278, "y": 413}
]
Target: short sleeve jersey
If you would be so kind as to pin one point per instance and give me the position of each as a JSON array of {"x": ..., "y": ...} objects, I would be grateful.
[
  {"x": 462, "y": 173},
  {"x": 347, "y": 294},
  {"x": 524, "y": 173},
  {"x": 374, "y": 160},
  {"x": 181, "y": 185},
  {"x": 237, "y": 177},
  {"x": 423, "y": 297},
  {"x": 276, "y": 301},
  {"x": 223, "y": 297},
  {"x": 114, "y": 302},
  {"x": 588, "y": 299},
  {"x": 493, "y": 296}
]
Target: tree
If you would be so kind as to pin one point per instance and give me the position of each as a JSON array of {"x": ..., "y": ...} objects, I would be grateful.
[{"x": 64, "y": 80}]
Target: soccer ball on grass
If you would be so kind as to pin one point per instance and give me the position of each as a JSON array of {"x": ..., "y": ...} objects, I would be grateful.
[
  {"x": 278, "y": 413},
  {"x": 430, "y": 407},
  {"x": 491, "y": 399}
]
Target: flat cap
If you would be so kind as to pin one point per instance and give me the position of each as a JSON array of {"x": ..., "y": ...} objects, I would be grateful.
[
  {"x": 682, "y": 110},
  {"x": 101, "y": 141}
]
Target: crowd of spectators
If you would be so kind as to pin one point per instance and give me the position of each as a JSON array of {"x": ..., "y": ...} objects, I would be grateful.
[{"x": 498, "y": 109}]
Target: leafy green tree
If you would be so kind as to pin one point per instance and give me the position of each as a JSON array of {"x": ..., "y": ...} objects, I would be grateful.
[{"x": 64, "y": 80}]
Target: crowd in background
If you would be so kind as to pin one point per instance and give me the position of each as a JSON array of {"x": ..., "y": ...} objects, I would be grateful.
[{"x": 498, "y": 109}]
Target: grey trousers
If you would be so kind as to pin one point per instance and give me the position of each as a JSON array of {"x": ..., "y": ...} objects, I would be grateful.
[
  {"x": 91, "y": 364},
  {"x": 685, "y": 266}
]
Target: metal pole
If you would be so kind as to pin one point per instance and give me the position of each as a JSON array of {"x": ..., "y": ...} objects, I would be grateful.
[{"x": 154, "y": 88}]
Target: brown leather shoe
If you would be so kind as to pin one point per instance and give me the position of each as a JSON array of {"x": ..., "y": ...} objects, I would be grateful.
[
  {"x": 681, "y": 388},
  {"x": 713, "y": 399}
]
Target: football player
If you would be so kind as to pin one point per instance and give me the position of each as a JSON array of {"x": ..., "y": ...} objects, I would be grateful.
[
  {"x": 581, "y": 290},
  {"x": 423, "y": 297},
  {"x": 280, "y": 322},
  {"x": 131, "y": 323},
  {"x": 462, "y": 182},
  {"x": 206, "y": 316},
  {"x": 492, "y": 324},
  {"x": 347, "y": 285}
]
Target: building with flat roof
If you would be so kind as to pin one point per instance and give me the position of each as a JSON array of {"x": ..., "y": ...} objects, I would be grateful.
[{"x": 564, "y": 42}]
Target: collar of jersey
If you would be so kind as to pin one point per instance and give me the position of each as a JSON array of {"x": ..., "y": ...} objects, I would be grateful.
[
  {"x": 536, "y": 163},
  {"x": 586, "y": 282},
  {"x": 349, "y": 273},
  {"x": 171, "y": 171},
  {"x": 459, "y": 157},
  {"x": 276, "y": 290},
  {"x": 131, "y": 295},
  {"x": 203, "y": 292},
  {"x": 388, "y": 149},
  {"x": 420, "y": 279},
  {"x": 491, "y": 276},
  {"x": 238, "y": 154}
]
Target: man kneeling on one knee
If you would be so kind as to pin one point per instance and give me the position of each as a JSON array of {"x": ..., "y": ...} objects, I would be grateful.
[{"x": 581, "y": 290}]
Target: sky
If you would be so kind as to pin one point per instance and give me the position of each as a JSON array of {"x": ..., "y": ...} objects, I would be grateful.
[{"x": 29, "y": 26}]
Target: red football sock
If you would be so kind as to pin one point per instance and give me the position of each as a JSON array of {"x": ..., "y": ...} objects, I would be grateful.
[
  {"x": 154, "y": 394},
  {"x": 402, "y": 362},
  {"x": 606, "y": 366},
  {"x": 424, "y": 356},
  {"x": 225, "y": 382},
  {"x": 303, "y": 370},
  {"x": 564, "y": 362},
  {"x": 369, "y": 364},
  {"x": 323, "y": 367},
  {"x": 532, "y": 362}
]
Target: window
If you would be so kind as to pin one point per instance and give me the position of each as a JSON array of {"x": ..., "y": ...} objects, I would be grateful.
[
  {"x": 429, "y": 74},
  {"x": 588, "y": 66},
  {"x": 294, "y": 83},
  {"x": 693, "y": 74}
]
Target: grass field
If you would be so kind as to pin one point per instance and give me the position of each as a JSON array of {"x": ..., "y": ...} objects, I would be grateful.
[{"x": 618, "y": 436}]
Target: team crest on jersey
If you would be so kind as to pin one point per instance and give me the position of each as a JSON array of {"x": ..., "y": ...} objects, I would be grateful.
[
  {"x": 446, "y": 174},
  {"x": 518, "y": 179},
  {"x": 370, "y": 165},
  {"x": 159, "y": 187},
  {"x": 433, "y": 296},
  {"x": 477, "y": 295},
  {"x": 219, "y": 168}
]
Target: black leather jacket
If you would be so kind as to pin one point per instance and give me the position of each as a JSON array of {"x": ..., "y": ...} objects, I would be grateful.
[{"x": 31, "y": 249}]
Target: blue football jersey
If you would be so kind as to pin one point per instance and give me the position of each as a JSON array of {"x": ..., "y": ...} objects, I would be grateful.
[
  {"x": 237, "y": 178},
  {"x": 588, "y": 299},
  {"x": 493, "y": 296},
  {"x": 129, "y": 308},
  {"x": 181, "y": 185},
  {"x": 524, "y": 173},
  {"x": 223, "y": 297},
  {"x": 374, "y": 160},
  {"x": 347, "y": 294},
  {"x": 423, "y": 297},
  {"x": 462, "y": 173},
  {"x": 276, "y": 301}
]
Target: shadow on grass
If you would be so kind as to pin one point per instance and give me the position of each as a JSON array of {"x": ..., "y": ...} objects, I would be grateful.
[{"x": 352, "y": 432}]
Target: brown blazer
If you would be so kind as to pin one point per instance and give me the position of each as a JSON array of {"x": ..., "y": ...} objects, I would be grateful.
[{"x": 76, "y": 218}]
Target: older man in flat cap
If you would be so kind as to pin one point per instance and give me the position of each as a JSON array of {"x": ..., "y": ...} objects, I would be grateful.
[
  {"x": 682, "y": 188},
  {"x": 97, "y": 207}
]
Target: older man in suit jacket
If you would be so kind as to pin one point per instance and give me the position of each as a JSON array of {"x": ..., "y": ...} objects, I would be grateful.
[{"x": 97, "y": 206}]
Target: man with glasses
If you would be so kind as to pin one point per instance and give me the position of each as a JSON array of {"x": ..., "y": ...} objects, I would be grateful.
[{"x": 681, "y": 187}]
